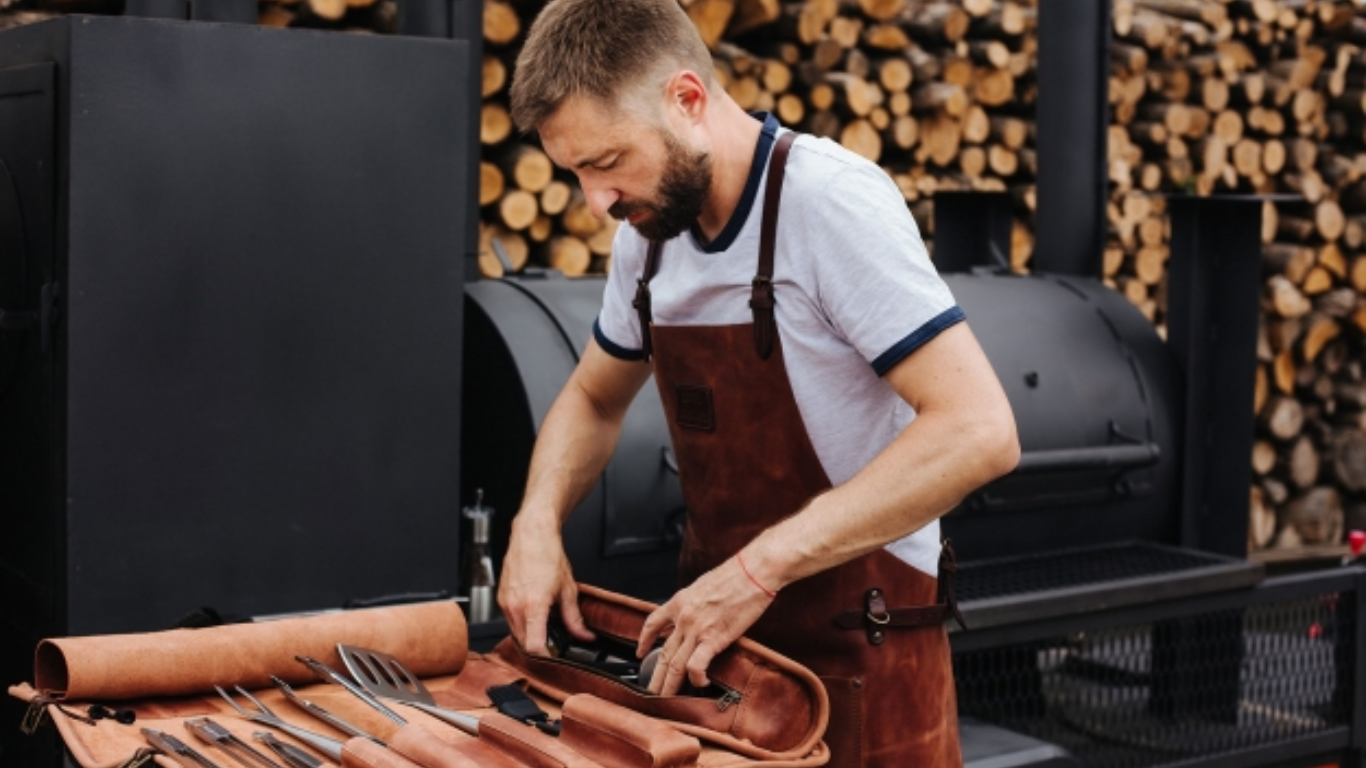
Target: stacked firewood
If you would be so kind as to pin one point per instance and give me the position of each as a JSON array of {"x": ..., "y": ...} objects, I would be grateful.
[
  {"x": 1260, "y": 97},
  {"x": 938, "y": 92}
]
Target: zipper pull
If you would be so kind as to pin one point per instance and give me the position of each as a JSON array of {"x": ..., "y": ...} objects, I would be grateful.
[{"x": 727, "y": 699}]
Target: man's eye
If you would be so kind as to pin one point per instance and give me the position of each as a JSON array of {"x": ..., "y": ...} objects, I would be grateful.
[{"x": 609, "y": 165}]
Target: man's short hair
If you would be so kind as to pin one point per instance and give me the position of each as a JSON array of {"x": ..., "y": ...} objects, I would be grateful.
[{"x": 600, "y": 48}]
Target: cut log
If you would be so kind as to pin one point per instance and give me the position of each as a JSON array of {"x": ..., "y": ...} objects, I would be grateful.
[
  {"x": 935, "y": 22},
  {"x": 993, "y": 87},
  {"x": 493, "y": 75},
  {"x": 862, "y": 138},
  {"x": 895, "y": 74},
  {"x": 1316, "y": 282},
  {"x": 1319, "y": 331},
  {"x": 1286, "y": 299},
  {"x": 490, "y": 183},
  {"x": 1301, "y": 463},
  {"x": 1263, "y": 457},
  {"x": 518, "y": 209},
  {"x": 939, "y": 139},
  {"x": 904, "y": 132},
  {"x": 940, "y": 97},
  {"x": 495, "y": 124},
  {"x": 1316, "y": 516},
  {"x": 752, "y": 14},
  {"x": 601, "y": 242},
  {"x": 1283, "y": 418},
  {"x": 1261, "y": 524},
  {"x": 528, "y": 167},
  {"x": 709, "y": 18},
  {"x": 1329, "y": 220},
  {"x": 1348, "y": 461},
  {"x": 976, "y": 125},
  {"x": 569, "y": 254},
  {"x": 501, "y": 24},
  {"x": 555, "y": 198}
]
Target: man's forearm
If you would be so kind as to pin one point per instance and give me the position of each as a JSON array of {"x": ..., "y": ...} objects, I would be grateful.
[
  {"x": 936, "y": 461},
  {"x": 574, "y": 445}
]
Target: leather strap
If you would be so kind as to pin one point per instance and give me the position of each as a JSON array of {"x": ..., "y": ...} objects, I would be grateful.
[
  {"x": 761, "y": 300},
  {"x": 876, "y": 618},
  {"x": 642, "y": 300}
]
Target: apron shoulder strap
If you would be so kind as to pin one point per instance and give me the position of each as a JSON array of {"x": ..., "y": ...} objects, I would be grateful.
[
  {"x": 761, "y": 300},
  {"x": 642, "y": 300}
]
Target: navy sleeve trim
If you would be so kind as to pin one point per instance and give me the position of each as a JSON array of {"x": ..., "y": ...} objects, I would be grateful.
[
  {"x": 614, "y": 349},
  {"x": 917, "y": 339}
]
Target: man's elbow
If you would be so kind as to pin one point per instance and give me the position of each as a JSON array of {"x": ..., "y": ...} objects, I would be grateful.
[{"x": 998, "y": 444}]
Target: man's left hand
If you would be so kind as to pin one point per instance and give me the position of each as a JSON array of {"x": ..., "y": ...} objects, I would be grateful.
[{"x": 700, "y": 622}]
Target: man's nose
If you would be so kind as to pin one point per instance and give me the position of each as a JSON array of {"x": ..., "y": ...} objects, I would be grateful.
[{"x": 600, "y": 199}]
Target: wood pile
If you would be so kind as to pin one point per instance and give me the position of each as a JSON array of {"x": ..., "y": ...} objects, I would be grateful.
[
  {"x": 938, "y": 92},
  {"x": 1206, "y": 97},
  {"x": 1260, "y": 97}
]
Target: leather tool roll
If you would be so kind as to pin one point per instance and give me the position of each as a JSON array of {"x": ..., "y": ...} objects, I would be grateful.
[
  {"x": 619, "y": 738},
  {"x": 772, "y": 708},
  {"x": 429, "y": 637}
]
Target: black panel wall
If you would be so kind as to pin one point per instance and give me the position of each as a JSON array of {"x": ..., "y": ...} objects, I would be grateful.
[{"x": 230, "y": 266}]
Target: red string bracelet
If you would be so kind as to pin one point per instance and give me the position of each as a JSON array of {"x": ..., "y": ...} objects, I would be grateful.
[{"x": 739, "y": 556}]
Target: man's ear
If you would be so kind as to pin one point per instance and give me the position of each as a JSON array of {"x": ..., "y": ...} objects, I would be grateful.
[{"x": 687, "y": 94}]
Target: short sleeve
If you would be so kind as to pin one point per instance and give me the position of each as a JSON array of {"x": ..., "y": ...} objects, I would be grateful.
[
  {"x": 617, "y": 329},
  {"x": 876, "y": 285}
]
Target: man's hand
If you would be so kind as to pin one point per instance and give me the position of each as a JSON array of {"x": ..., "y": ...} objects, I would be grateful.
[
  {"x": 700, "y": 622},
  {"x": 536, "y": 576}
]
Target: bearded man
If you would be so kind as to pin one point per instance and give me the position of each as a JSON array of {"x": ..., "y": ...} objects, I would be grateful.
[{"x": 826, "y": 400}]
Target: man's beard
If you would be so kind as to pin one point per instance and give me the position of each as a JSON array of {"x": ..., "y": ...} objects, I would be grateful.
[{"x": 683, "y": 189}]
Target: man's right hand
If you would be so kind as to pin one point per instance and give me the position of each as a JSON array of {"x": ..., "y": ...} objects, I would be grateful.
[{"x": 537, "y": 576}]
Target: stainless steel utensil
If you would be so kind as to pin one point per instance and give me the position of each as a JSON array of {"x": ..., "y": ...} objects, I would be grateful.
[
  {"x": 321, "y": 713},
  {"x": 176, "y": 749},
  {"x": 382, "y": 675},
  {"x": 330, "y": 747},
  {"x": 210, "y": 732},
  {"x": 297, "y": 758},
  {"x": 328, "y": 673}
]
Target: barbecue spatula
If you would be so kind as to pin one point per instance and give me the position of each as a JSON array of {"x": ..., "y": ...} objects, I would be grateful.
[{"x": 382, "y": 675}]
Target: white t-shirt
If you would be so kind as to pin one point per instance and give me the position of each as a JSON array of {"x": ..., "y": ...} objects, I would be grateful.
[{"x": 855, "y": 290}]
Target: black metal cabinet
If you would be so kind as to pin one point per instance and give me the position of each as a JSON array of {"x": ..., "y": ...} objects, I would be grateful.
[{"x": 231, "y": 277}]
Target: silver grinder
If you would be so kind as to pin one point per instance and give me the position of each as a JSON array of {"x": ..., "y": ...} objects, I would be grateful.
[{"x": 480, "y": 560}]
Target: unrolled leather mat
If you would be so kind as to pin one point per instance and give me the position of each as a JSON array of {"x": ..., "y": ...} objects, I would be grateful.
[{"x": 430, "y": 638}]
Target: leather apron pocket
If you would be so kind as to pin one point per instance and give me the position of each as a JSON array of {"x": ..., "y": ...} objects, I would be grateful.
[{"x": 844, "y": 735}]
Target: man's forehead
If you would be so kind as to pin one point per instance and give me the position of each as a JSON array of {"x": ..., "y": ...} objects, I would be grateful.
[{"x": 584, "y": 127}]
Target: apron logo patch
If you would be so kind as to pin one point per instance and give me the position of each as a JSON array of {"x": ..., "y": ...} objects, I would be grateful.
[{"x": 694, "y": 407}]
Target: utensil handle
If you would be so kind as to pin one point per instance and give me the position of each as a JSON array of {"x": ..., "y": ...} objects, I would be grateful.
[
  {"x": 464, "y": 722},
  {"x": 330, "y": 747}
]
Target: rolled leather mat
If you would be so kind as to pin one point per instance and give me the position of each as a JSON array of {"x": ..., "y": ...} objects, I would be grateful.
[{"x": 429, "y": 638}]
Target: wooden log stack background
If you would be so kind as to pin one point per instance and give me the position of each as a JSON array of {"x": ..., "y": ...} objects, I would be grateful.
[{"x": 1206, "y": 97}]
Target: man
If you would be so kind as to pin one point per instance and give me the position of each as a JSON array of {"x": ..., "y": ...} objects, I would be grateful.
[{"x": 825, "y": 400}]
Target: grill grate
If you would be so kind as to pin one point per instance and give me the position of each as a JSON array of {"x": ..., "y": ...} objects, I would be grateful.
[
  {"x": 1152, "y": 694},
  {"x": 1059, "y": 570}
]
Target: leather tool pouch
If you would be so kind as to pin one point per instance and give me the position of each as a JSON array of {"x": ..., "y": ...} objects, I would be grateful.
[
  {"x": 761, "y": 705},
  {"x": 165, "y": 678}
]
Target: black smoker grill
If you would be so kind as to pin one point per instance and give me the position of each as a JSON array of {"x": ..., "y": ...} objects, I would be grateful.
[{"x": 1113, "y": 618}]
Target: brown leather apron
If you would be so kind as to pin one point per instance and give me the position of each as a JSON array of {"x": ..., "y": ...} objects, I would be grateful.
[{"x": 746, "y": 462}]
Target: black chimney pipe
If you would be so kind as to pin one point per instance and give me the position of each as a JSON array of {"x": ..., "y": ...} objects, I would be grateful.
[
  {"x": 457, "y": 20},
  {"x": 1071, "y": 121}
]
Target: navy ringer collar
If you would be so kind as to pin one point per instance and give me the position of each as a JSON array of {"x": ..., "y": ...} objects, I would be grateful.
[{"x": 756, "y": 172}]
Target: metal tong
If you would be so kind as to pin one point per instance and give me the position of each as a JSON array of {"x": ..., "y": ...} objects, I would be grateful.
[
  {"x": 210, "y": 732},
  {"x": 178, "y": 750},
  {"x": 330, "y": 747},
  {"x": 297, "y": 758},
  {"x": 320, "y": 713}
]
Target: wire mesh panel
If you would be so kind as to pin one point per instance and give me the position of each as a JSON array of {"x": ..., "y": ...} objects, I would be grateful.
[{"x": 1166, "y": 691}]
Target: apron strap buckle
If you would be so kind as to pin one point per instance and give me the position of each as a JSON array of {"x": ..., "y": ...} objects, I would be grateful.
[{"x": 875, "y": 610}]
